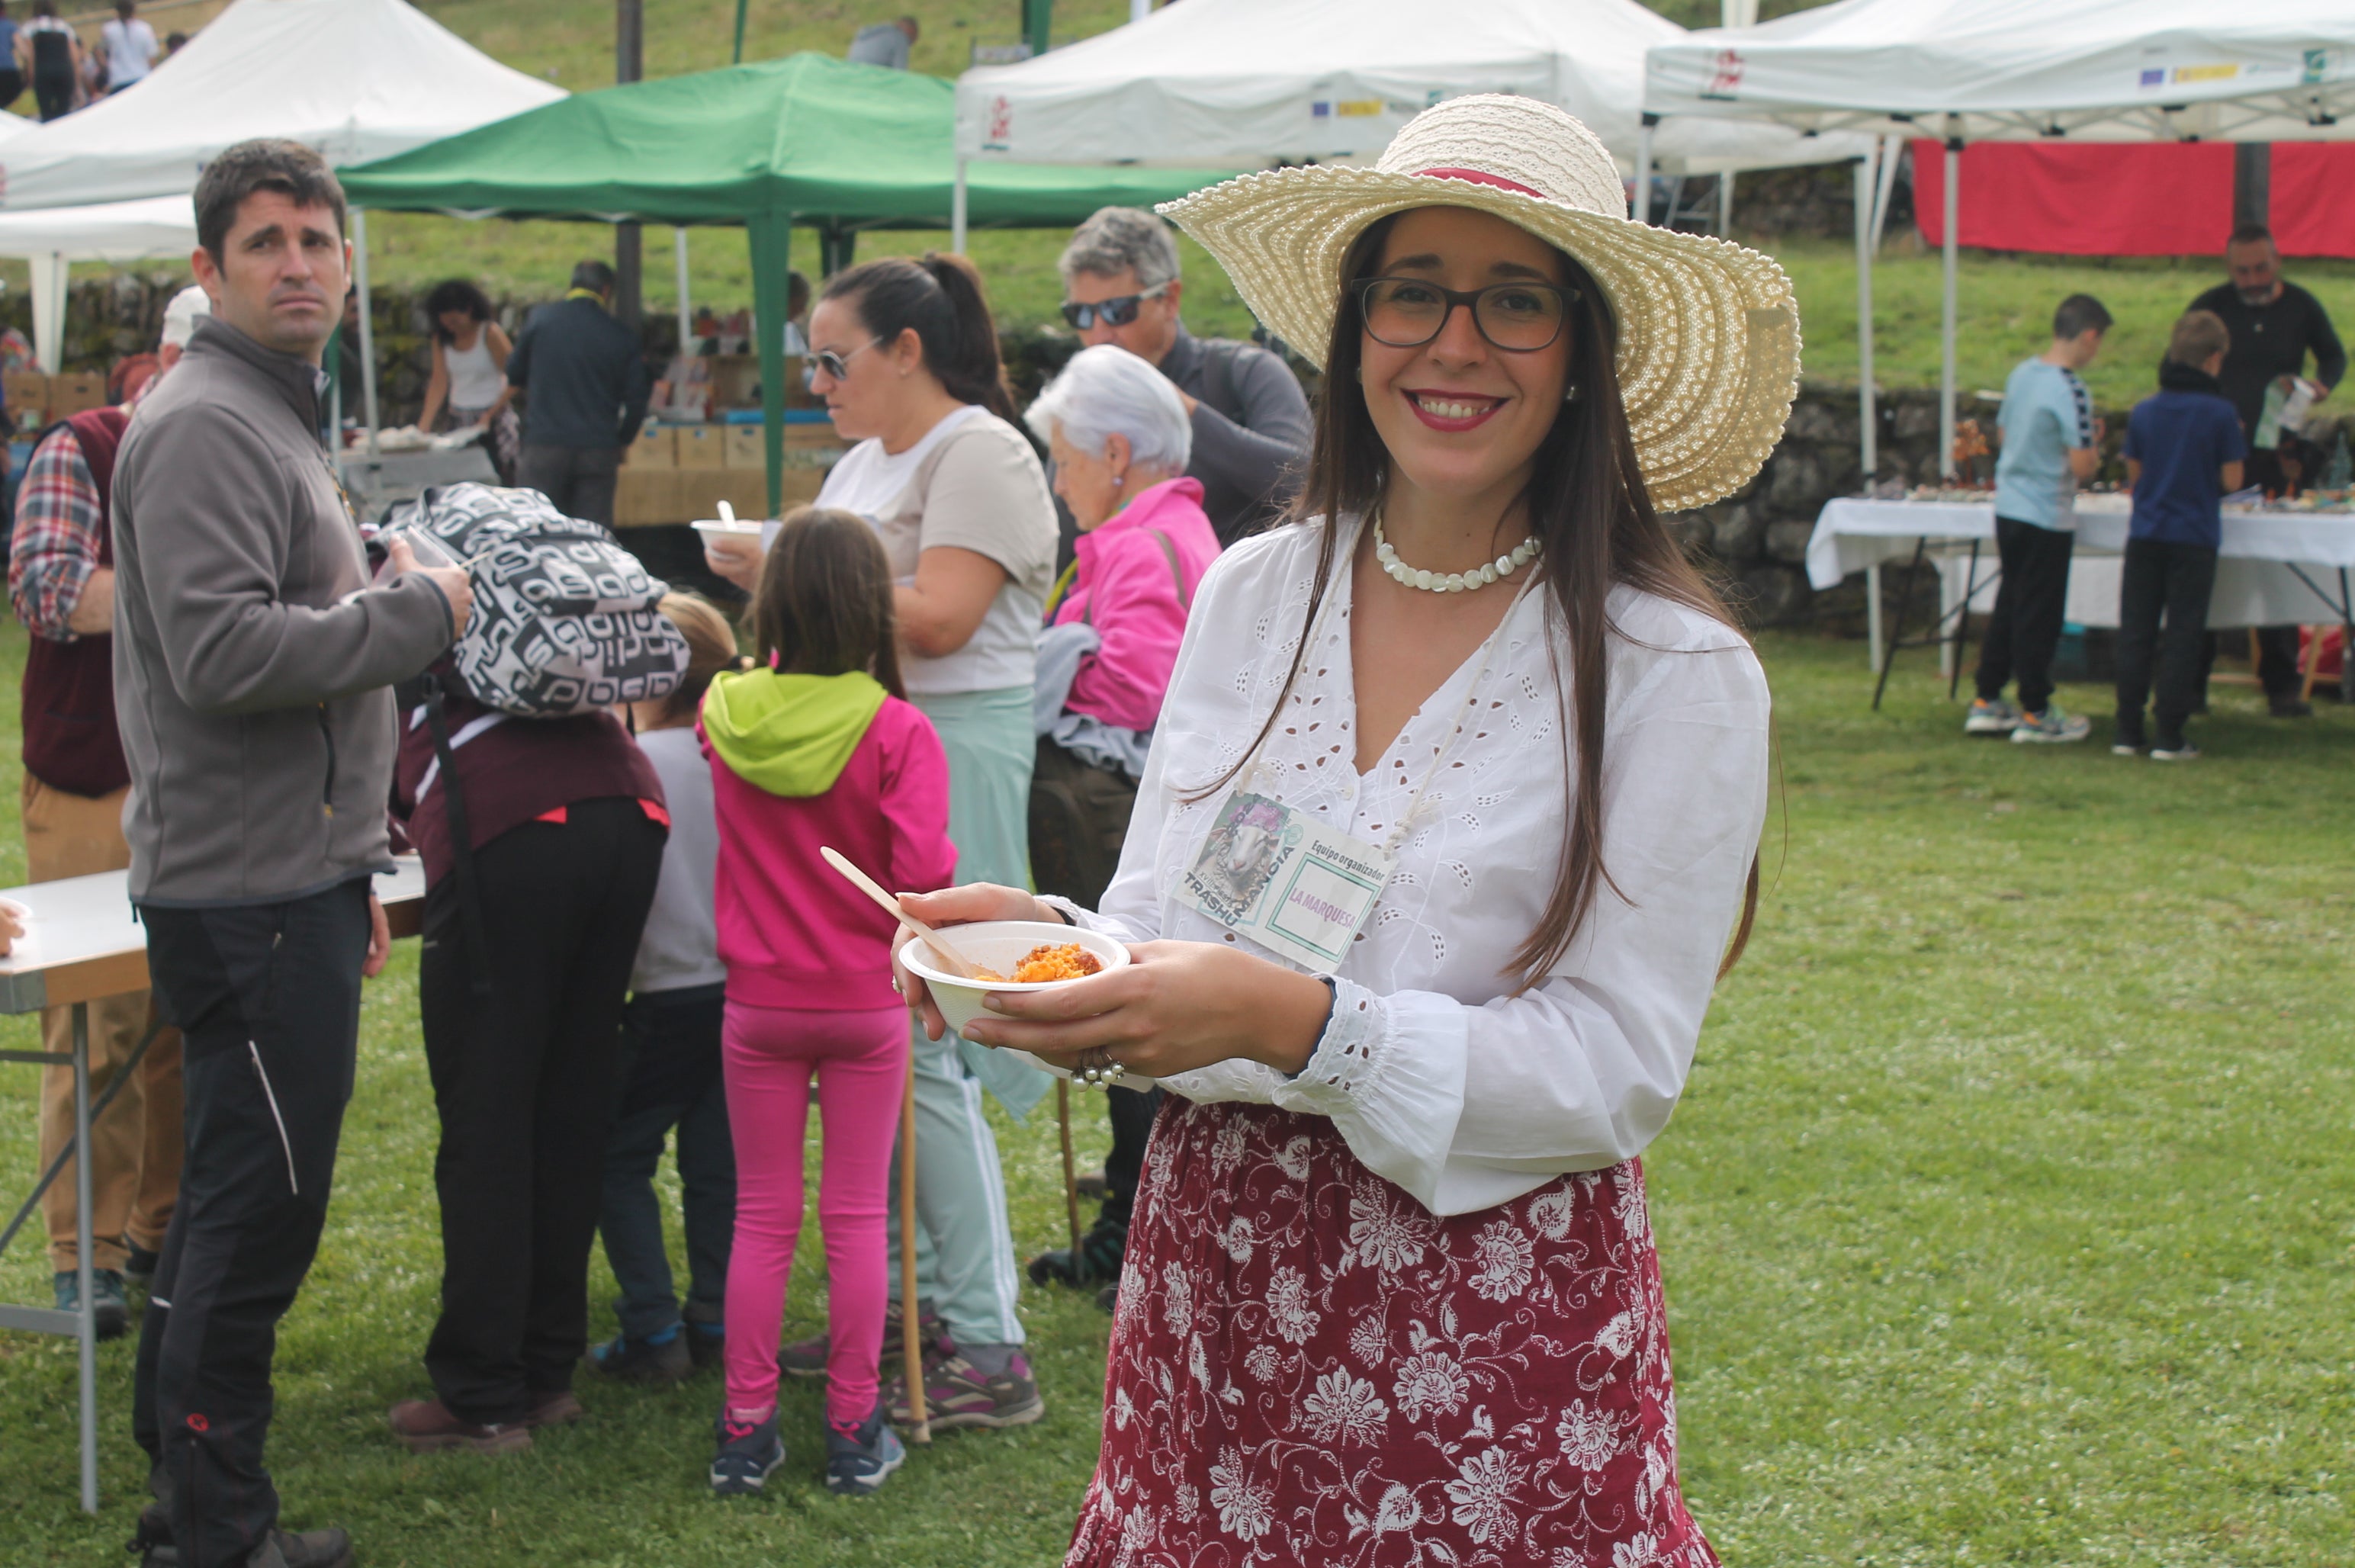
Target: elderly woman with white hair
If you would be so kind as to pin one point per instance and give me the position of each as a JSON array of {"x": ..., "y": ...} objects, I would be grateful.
[{"x": 1120, "y": 436}]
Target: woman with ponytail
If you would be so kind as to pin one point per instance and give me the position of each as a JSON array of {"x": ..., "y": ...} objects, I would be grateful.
[{"x": 905, "y": 354}]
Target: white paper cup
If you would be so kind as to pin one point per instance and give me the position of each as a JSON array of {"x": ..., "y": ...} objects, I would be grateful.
[{"x": 999, "y": 945}]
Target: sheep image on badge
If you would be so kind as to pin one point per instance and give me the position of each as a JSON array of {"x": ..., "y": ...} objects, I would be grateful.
[{"x": 1250, "y": 842}]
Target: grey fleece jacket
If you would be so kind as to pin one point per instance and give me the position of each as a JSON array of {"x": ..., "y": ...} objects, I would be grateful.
[{"x": 252, "y": 659}]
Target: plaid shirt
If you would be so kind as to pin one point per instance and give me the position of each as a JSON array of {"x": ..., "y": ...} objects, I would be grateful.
[{"x": 56, "y": 545}]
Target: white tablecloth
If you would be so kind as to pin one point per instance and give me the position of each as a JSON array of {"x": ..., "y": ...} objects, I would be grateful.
[{"x": 1852, "y": 533}]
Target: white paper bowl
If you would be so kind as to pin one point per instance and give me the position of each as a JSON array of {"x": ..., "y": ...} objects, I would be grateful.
[
  {"x": 999, "y": 945},
  {"x": 714, "y": 527}
]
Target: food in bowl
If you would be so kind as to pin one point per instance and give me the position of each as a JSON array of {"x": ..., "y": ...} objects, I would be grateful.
[
  {"x": 1047, "y": 962},
  {"x": 1003, "y": 948}
]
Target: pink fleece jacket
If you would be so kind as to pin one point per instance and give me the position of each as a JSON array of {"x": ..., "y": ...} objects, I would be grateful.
[
  {"x": 1126, "y": 590},
  {"x": 792, "y": 932}
]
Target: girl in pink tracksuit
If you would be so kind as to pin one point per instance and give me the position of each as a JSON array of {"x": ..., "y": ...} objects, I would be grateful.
[{"x": 817, "y": 748}]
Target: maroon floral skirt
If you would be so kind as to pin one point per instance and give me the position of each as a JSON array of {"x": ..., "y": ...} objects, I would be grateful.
[{"x": 1308, "y": 1368}]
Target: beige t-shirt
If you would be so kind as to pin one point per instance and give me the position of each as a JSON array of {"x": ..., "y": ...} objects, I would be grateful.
[{"x": 973, "y": 482}]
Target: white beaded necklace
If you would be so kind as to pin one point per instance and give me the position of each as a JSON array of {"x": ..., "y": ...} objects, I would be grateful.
[{"x": 1452, "y": 582}]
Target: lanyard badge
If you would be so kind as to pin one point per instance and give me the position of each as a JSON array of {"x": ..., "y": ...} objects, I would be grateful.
[{"x": 1290, "y": 884}]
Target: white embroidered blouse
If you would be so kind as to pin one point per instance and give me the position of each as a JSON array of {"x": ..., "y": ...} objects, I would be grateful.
[{"x": 1436, "y": 1075}]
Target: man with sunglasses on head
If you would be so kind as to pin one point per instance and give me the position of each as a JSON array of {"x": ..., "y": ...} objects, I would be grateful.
[{"x": 1250, "y": 417}]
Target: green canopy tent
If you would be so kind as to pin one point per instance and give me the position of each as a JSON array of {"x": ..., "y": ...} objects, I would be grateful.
[{"x": 808, "y": 140}]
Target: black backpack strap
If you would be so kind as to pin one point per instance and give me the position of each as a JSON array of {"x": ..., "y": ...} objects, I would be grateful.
[{"x": 462, "y": 841}]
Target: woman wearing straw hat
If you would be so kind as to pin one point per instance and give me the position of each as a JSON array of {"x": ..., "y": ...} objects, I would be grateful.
[{"x": 1391, "y": 1294}]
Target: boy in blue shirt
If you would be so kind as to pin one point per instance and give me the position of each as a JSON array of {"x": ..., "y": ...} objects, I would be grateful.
[
  {"x": 2184, "y": 455},
  {"x": 2052, "y": 443}
]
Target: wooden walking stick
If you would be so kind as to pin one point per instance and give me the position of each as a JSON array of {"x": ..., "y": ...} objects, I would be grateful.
[
  {"x": 920, "y": 1425},
  {"x": 1070, "y": 1179}
]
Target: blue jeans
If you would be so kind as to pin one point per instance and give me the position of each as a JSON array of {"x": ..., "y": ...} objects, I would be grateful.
[{"x": 672, "y": 1081}]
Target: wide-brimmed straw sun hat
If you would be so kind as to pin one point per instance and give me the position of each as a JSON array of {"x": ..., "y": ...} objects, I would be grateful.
[{"x": 1708, "y": 332}]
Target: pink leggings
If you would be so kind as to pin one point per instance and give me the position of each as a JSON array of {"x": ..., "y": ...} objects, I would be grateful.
[{"x": 860, "y": 1060}]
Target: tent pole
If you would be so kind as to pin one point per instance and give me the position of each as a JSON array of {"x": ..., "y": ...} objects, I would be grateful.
[
  {"x": 1640, "y": 205},
  {"x": 1946, "y": 312},
  {"x": 1725, "y": 205},
  {"x": 957, "y": 210},
  {"x": 367, "y": 330},
  {"x": 49, "y": 274},
  {"x": 1893, "y": 150},
  {"x": 1867, "y": 431},
  {"x": 772, "y": 235},
  {"x": 686, "y": 315}
]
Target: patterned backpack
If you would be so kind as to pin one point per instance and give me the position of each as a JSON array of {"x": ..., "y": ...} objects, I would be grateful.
[{"x": 564, "y": 617}]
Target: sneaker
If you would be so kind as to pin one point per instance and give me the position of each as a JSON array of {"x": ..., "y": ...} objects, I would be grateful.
[
  {"x": 2052, "y": 727},
  {"x": 857, "y": 1459},
  {"x": 707, "y": 1344},
  {"x": 427, "y": 1426},
  {"x": 110, "y": 1311},
  {"x": 1090, "y": 1184},
  {"x": 2181, "y": 752},
  {"x": 328, "y": 1548},
  {"x": 958, "y": 1393},
  {"x": 748, "y": 1455},
  {"x": 139, "y": 1268},
  {"x": 1109, "y": 1298},
  {"x": 2289, "y": 708},
  {"x": 1991, "y": 716},
  {"x": 2125, "y": 749},
  {"x": 661, "y": 1357},
  {"x": 806, "y": 1358},
  {"x": 1098, "y": 1257}
]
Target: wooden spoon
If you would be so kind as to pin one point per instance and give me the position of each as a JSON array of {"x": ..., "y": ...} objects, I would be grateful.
[{"x": 953, "y": 961}]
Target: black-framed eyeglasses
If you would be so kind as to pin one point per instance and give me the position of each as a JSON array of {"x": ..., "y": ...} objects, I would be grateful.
[
  {"x": 1519, "y": 318},
  {"x": 835, "y": 365},
  {"x": 1118, "y": 311}
]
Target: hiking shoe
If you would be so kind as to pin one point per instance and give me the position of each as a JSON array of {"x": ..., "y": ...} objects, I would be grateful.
[
  {"x": 2180, "y": 751},
  {"x": 662, "y": 1357},
  {"x": 748, "y": 1455},
  {"x": 806, "y": 1358},
  {"x": 1991, "y": 716},
  {"x": 858, "y": 1458},
  {"x": 427, "y": 1425},
  {"x": 958, "y": 1393},
  {"x": 707, "y": 1344},
  {"x": 329, "y": 1548},
  {"x": 2052, "y": 727},
  {"x": 109, "y": 1313},
  {"x": 1100, "y": 1255},
  {"x": 2289, "y": 708},
  {"x": 554, "y": 1407}
]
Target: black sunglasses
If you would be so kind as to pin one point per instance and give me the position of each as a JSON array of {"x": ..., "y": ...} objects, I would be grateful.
[
  {"x": 1118, "y": 311},
  {"x": 1519, "y": 318}
]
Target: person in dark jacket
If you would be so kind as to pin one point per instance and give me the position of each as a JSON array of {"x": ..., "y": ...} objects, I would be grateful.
[
  {"x": 1249, "y": 415},
  {"x": 2274, "y": 324},
  {"x": 62, "y": 584},
  {"x": 583, "y": 378},
  {"x": 542, "y": 840},
  {"x": 252, "y": 661}
]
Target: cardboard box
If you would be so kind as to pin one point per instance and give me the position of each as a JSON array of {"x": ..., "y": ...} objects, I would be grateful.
[
  {"x": 75, "y": 393},
  {"x": 816, "y": 435},
  {"x": 747, "y": 447},
  {"x": 735, "y": 380},
  {"x": 28, "y": 392},
  {"x": 645, "y": 496},
  {"x": 700, "y": 490},
  {"x": 656, "y": 447},
  {"x": 702, "y": 446}
]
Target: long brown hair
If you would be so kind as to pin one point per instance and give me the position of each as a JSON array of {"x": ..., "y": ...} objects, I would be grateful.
[
  {"x": 941, "y": 299},
  {"x": 1586, "y": 502},
  {"x": 825, "y": 601}
]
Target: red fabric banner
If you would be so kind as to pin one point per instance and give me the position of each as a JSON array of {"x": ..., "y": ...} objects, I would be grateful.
[
  {"x": 2112, "y": 199},
  {"x": 2313, "y": 189}
]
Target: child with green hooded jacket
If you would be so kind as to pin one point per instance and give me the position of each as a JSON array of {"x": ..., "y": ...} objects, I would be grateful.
[{"x": 818, "y": 747}]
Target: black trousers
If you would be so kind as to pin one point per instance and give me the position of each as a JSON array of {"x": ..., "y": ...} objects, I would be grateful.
[
  {"x": 2173, "y": 581},
  {"x": 54, "y": 94},
  {"x": 267, "y": 997},
  {"x": 524, "y": 1080},
  {"x": 1132, "y": 1127},
  {"x": 2025, "y": 628},
  {"x": 672, "y": 1080},
  {"x": 579, "y": 480},
  {"x": 2277, "y": 668}
]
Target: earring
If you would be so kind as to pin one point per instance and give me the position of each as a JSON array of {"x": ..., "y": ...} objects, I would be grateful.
[
  {"x": 1570, "y": 393},
  {"x": 1118, "y": 479}
]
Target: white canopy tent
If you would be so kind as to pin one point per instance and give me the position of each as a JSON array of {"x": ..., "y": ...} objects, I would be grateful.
[
  {"x": 1240, "y": 83},
  {"x": 156, "y": 227},
  {"x": 2017, "y": 70},
  {"x": 355, "y": 78}
]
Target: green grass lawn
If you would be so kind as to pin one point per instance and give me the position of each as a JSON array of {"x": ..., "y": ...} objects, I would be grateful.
[{"x": 2009, "y": 1217}]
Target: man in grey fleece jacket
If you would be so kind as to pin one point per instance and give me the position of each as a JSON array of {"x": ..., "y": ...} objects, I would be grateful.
[{"x": 252, "y": 663}]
